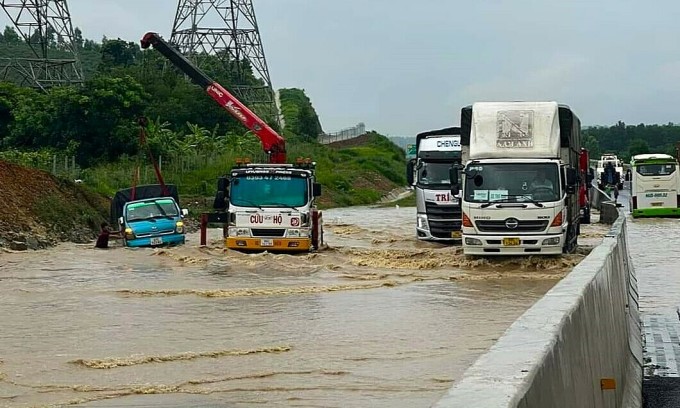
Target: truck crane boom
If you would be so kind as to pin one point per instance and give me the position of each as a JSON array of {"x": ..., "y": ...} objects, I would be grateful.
[{"x": 272, "y": 143}]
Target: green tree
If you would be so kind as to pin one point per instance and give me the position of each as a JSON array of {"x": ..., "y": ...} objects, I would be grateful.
[
  {"x": 638, "y": 146},
  {"x": 10, "y": 36},
  {"x": 116, "y": 53}
]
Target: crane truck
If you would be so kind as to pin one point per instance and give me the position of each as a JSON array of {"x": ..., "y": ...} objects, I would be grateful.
[
  {"x": 519, "y": 194},
  {"x": 610, "y": 158},
  {"x": 262, "y": 206},
  {"x": 438, "y": 211}
]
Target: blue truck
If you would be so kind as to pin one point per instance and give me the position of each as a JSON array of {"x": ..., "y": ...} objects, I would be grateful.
[{"x": 149, "y": 216}]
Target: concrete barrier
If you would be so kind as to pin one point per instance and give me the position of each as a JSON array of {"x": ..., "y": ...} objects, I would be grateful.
[
  {"x": 579, "y": 346},
  {"x": 609, "y": 212}
]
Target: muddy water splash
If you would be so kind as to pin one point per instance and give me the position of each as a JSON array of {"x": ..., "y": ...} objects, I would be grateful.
[
  {"x": 375, "y": 320},
  {"x": 130, "y": 361}
]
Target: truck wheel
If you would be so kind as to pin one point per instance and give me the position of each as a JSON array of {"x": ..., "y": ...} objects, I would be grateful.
[
  {"x": 572, "y": 237},
  {"x": 586, "y": 216}
]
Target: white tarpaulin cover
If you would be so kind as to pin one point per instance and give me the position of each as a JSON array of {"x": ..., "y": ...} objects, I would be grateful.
[{"x": 515, "y": 130}]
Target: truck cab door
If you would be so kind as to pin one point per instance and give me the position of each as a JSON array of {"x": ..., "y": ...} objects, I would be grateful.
[{"x": 411, "y": 172}]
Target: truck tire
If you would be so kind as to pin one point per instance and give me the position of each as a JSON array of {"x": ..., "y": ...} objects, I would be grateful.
[
  {"x": 585, "y": 219},
  {"x": 572, "y": 239}
]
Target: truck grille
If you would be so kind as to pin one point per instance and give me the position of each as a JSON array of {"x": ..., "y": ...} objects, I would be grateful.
[
  {"x": 522, "y": 226},
  {"x": 155, "y": 233},
  {"x": 268, "y": 232},
  {"x": 443, "y": 219}
]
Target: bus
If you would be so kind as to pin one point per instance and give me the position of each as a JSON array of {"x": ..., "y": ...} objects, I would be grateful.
[{"x": 654, "y": 186}]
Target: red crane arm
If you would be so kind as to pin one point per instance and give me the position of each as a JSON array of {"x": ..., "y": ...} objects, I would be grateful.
[{"x": 272, "y": 143}]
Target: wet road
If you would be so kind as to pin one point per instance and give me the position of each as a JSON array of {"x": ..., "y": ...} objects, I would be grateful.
[
  {"x": 653, "y": 246},
  {"x": 378, "y": 319}
]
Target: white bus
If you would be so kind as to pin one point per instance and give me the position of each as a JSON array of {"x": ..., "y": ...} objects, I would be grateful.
[{"x": 654, "y": 186}]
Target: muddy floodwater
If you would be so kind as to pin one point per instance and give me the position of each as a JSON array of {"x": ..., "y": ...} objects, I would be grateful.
[{"x": 378, "y": 319}]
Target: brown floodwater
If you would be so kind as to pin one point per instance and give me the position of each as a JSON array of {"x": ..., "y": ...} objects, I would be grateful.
[{"x": 377, "y": 319}]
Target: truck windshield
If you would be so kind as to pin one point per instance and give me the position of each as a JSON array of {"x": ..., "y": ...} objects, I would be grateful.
[
  {"x": 269, "y": 191},
  {"x": 512, "y": 182},
  {"x": 434, "y": 173},
  {"x": 151, "y": 209}
]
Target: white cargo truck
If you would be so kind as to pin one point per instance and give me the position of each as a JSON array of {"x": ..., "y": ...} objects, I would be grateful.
[
  {"x": 520, "y": 184},
  {"x": 438, "y": 211}
]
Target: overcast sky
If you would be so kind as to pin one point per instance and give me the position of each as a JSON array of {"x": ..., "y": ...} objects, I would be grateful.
[{"x": 404, "y": 66}]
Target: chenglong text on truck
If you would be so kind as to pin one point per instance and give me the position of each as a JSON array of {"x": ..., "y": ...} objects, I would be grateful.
[
  {"x": 520, "y": 183},
  {"x": 268, "y": 206},
  {"x": 438, "y": 210}
]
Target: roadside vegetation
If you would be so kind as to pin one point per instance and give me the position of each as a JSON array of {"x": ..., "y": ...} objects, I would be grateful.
[{"x": 94, "y": 127}]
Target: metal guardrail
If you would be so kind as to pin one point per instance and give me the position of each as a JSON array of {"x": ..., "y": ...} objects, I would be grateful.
[{"x": 344, "y": 134}]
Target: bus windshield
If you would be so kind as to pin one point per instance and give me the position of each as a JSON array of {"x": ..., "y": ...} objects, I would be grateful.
[
  {"x": 266, "y": 190},
  {"x": 651, "y": 170}
]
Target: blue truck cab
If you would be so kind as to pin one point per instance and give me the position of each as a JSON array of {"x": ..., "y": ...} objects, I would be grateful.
[
  {"x": 152, "y": 222},
  {"x": 149, "y": 216}
]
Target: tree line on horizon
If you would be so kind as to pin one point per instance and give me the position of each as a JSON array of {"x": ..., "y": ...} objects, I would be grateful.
[{"x": 97, "y": 121}]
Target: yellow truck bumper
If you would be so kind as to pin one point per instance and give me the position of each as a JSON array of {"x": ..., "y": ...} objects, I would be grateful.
[{"x": 272, "y": 244}]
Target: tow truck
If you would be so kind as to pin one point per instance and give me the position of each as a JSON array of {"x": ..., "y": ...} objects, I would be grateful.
[{"x": 261, "y": 206}]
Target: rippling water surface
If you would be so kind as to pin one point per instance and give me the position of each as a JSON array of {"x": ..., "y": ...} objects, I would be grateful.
[{"x": 378, "y": 319}]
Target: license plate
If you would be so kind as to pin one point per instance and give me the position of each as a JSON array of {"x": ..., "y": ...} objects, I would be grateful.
[
  {"x": 657, "y": 204},
  {"x": 156, "y": 241},
  {"x": 511, "y": 241},
  {"x": 455, "y": 234},
  {"x": 266, "y": 242}
]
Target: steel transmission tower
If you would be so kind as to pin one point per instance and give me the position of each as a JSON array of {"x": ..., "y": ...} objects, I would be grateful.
[
  {"x": 228, "y": 29},
  {"x": 45, "y": 25}
]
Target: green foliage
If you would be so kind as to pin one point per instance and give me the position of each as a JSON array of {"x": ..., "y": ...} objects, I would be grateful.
[
  {"x": 299, "y": 115},
  {"x": 638, "y": 146},
  {"x": 627, "y": 140},
  {"x": 194, "y": 138}
]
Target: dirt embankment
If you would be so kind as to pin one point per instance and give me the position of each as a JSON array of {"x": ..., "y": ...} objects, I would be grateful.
[
  {"x": 40, "y": 210},
  {"x": 354, "y": 142}
]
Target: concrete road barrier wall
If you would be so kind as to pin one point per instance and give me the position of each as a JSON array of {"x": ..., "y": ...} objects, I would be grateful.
[{"x": 578, "y": 347}]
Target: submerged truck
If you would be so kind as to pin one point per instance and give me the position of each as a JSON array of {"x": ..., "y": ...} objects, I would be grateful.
[
  {"x": 520, "y": 184},
  {"x": 261, "y": 206},
  {"x": 149, "y": 215},
  {"x": 438, "y": 210}
]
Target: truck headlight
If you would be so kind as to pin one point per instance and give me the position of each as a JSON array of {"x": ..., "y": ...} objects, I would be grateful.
[
  {"x": 472, "y": 241},
  {"x": 129, "y": 234},
  {"x": 238, "y": 232},
  {"x": 294, "y": 233},
  {"x": 551, "y": 241},
  {"x": 422, "y": 221},
  {"x": 179, "y": 227}
]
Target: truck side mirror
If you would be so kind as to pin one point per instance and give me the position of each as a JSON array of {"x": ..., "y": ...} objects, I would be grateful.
[
  {"x": 453, "y": 177},
  {"x": 120, "y": 221},
  {"x": 410, "y": 168},
  {"x": 316, "y": 189},
  {"x": 572, "y": 177},
  {"x": 185, "y": 212}
]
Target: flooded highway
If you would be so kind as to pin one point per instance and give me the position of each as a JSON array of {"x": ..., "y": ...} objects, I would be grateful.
[{"x": 377, "y": 319}]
